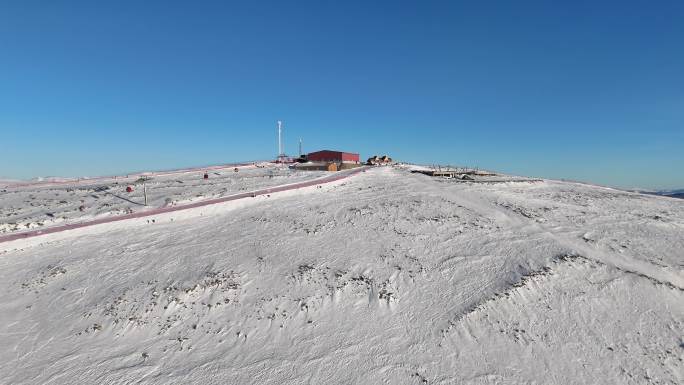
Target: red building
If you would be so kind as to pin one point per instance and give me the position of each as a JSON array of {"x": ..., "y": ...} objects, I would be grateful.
[{"x": 333, "y": 156}]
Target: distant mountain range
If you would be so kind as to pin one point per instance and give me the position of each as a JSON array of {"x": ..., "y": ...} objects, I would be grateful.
[{"x": 669, "y": 193}]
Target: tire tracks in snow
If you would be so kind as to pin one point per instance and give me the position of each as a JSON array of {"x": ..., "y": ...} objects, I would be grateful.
[{"x": 571, "y": 239}]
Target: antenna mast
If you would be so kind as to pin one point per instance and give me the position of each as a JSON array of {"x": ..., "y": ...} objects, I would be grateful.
[
  {"x": 280, "y": 141},
  {"x": 282, "y": 158},
  {"x": 300, "y": 147}
]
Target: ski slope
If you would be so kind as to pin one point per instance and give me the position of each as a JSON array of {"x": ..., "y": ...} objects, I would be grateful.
[{"x": 384, "y": 277}]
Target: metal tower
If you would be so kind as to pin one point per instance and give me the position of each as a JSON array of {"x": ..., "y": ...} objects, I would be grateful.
[
  {"x": 281, "y": 148},
  {"x": 280, "y": 140}
]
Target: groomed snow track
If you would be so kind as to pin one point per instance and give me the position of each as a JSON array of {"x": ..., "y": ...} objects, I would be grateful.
[{"x": 161, "y": 210}]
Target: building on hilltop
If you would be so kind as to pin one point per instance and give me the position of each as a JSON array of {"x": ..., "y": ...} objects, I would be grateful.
[
  {"x": 327, "y": 160},
  {"x": 333, "y": 156}
]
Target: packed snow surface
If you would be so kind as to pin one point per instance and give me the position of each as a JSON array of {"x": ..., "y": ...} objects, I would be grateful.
[
  {"x": 385, "y": 277},
  {"x": 61, "y": 201}
]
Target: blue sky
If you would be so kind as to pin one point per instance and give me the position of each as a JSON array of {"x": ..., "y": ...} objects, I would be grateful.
[{"x": 590, "y": 91}]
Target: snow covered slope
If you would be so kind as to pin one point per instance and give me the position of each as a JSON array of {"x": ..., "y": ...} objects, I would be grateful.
[
  {"x": 386, "y": 277},
  {"x": 56, "y": 202}
]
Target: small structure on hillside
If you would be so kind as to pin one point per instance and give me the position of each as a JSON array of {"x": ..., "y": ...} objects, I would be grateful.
[
  {"x": 438, "y": 173},
  {"x": 454, "y": 173},
  {"x": 379, "y": 160}
]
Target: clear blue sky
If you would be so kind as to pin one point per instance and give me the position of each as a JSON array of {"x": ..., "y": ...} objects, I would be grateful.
[{"x": 584, "y": 90}]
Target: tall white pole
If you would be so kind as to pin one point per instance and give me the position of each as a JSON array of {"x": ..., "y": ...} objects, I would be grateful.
[{"x": 280, "y": 142}]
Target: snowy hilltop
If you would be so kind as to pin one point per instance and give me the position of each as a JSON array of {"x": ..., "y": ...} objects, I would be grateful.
[{"x": 380, "y": 276}]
